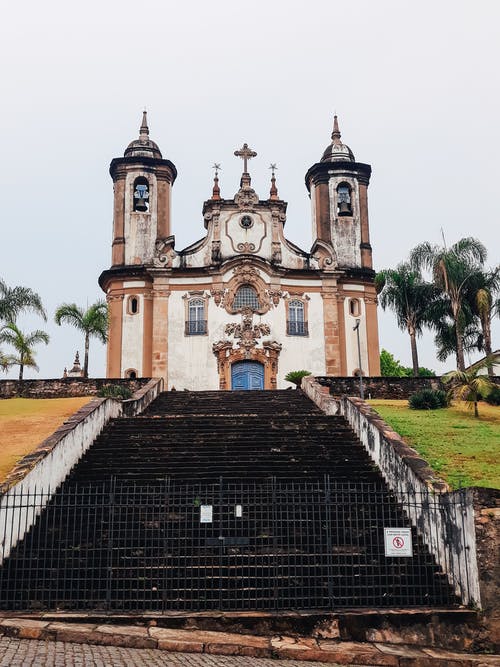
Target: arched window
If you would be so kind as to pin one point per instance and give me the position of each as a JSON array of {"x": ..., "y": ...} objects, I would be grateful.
[
  {"x": 296, "y": 325},
  {"x": 354, "y": 307},
  {"x": 246, "y": 297},
  {"x": 344, "y": 206},
  {"x": 131, "y": 374},
  {"x": 196, "y": 323},
  {"x": 132, "y": 305},
  {"x": 141, "y": 195}
]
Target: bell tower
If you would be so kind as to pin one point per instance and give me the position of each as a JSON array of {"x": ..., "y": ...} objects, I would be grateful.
[
  {"x": 142, "y": 189},
  {"x": 142, "y": 184},
  {"x": 338, "y": 186}
]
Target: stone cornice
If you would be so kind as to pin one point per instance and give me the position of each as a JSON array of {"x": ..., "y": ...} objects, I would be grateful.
[
  {"x": 322, "y": 171},
  {"x": 164, "y": 169}
]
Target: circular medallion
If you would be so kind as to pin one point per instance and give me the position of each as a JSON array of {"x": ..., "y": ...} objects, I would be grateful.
[{"x": 246, "y": 222}]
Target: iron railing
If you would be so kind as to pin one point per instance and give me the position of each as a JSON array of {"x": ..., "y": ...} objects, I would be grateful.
[
  {"x": 294, "y": 328},
  {"x": 195, "y": 327},
  {"x": 228, "y": 545}
]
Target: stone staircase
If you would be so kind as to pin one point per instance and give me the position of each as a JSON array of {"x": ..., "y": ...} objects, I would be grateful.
[{"x": 221, "y": 501}]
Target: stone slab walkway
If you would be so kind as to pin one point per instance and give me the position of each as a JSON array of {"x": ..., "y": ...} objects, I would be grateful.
[{"x": 57, "y": 641}]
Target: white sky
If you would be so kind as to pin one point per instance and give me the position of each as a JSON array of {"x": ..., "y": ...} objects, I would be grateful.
[{"x": 415, "y": 85}]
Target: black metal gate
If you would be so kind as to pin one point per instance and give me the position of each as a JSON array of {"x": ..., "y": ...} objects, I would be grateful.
[{"x": 228, "y": 545}]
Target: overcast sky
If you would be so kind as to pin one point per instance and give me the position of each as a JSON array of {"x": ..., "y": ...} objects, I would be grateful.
[{"x": 415, "y": 85}]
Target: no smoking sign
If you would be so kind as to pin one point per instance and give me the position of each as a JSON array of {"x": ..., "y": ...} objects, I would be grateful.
[{"x": 397, "y": 542}]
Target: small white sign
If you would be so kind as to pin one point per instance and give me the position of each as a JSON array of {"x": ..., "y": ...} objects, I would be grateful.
[
  {"x": 206, "y": 512},
  {"x": 398, "y": 542},
  {"x": 238, "y": 511}
]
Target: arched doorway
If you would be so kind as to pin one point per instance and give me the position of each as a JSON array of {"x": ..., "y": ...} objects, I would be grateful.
[{"x": 247, "y": 375}]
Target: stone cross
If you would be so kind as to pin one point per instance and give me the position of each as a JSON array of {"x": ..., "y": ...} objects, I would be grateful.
[{"x": 245, "y": 154}]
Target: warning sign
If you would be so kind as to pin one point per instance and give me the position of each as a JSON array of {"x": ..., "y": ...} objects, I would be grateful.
[
  {"x": 398, "y": 542},
  {"x": 206, "y": 513}
]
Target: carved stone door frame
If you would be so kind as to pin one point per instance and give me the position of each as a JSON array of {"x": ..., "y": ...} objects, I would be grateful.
[{"x": 267, "y": 356}]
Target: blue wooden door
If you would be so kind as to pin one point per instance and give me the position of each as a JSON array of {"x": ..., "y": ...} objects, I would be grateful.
[{"x": 247, "y": 375}]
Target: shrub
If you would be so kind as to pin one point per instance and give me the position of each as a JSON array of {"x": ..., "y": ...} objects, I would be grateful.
[
  {"x": 115, "y": 391},
  {"x": 493, "y": 396},
  {"x": 296, "y": 376},
  {"x": 428, "y": 399}
]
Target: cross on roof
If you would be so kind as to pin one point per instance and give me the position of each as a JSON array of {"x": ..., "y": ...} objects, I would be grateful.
[{"x": 245, "y": 154}]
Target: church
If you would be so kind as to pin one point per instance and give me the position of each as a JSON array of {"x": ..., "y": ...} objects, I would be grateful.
[{"x": 243, "y": 306}]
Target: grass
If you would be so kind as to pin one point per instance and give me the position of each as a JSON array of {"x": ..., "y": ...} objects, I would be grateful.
[
  {"x": 25, "y": 422},
  {"x": 463, "y": 450}
]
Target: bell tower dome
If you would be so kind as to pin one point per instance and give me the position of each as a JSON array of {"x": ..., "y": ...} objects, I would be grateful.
[
  {"x": 142, "y": 190},
  {"x": 338, "y": 186}
]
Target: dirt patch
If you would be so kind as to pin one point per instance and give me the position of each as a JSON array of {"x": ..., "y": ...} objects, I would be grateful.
[{"x": 25, "y": 422}]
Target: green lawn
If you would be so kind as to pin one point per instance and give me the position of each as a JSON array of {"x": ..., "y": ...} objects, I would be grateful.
[{"x": 464, "y": 451}]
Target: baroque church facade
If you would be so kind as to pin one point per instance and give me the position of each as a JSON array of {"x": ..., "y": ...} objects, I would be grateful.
[{"x": 243, "y": 306}]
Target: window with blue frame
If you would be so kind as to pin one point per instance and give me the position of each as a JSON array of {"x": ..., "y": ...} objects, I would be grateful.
[
  {"x": 196, "y": 324},
  {"x": 296, "y": 324}
]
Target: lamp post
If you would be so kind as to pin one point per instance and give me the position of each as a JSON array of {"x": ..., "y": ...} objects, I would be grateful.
[{"x": 361, "y": 392}]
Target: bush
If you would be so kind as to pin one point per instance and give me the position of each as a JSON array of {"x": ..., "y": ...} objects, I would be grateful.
[
  {"x": 428, "y": 399},
  {"x": 296, "y": 376},
  {"x": 115, "y": 391},
  {"x": 493, "y": 396}
]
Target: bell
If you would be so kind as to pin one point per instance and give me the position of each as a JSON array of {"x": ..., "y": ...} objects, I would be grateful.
[
  {"x": 141, "y": 204},
  {"x": 344, "y": 208}
]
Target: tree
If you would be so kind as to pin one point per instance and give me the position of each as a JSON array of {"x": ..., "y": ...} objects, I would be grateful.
[
  {"x": 14, "y": 300},
  {"x": 405, "y": 292},
  {"x": 391, "y": 367},
  {"x": 5, "y": 361},
  {"x": 452, "y": 271},
  {"x": 23, "y": 345},
  {"x": 469, "y": 385},
  {"x": 484, "y": 303},
  {"x": 92, "y": 322}
]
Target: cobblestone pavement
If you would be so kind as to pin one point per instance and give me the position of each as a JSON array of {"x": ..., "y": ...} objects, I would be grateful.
[{"x": 35, "y": 653}]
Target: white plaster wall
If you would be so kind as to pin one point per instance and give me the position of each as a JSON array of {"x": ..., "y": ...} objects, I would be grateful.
[
  {"x": 351, "y": 340},
  {"x": 191, "y": 361},
  {"x": 140, "y": 228},
  {"x": 232, "y": 233},
  {"x": 346, "y": 231},
  {"x": 300, "y": 352},
  {"x": 132, "y": 337},
  {"x": 193, "y": 365}
]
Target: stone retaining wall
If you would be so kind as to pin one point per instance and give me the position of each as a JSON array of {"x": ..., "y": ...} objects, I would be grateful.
[
  {"x": 63, "y": 387},
  {"x": 382, "y": 387},
  {"x": 444, "y": 519}
]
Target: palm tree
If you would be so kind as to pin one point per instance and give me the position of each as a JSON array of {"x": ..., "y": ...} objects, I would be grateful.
[
  {"x": 23, "y": 345},
  {"x": 452, "y": 271},
  {"x": 404, "y": 291},
  {"x": 14, "y": 300},
  {"x": 92, "y": 322},
  {"x": 469, "y": 385},
  {"x": 484, "y": 303},
  {"x": 5, "y": 361}
]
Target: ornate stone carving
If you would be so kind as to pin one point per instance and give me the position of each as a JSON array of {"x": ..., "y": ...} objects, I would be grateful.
[
  {"x": 246, "y": 198},
  {"x": 246, "y": 247},
  {"x": 164, "y": 252},
  {"x": 275, "y": 296},
  {"x": 247, "y": 333},
  {"x": 276, "y": 253},
  {"x": 216, "y": 254},
  {"x": 218, "y": 295}
]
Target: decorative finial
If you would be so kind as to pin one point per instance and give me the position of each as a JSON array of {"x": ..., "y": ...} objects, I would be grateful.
[
  {"x": 245, "y": 153},
  {"x": 216, "y": 189},
  {"x": 336, "y": 131},
  {"x": 273, "y": 193},
  {"x": 144, "y": 130}
]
